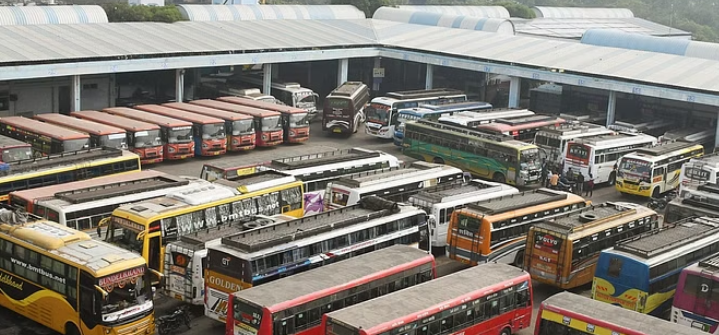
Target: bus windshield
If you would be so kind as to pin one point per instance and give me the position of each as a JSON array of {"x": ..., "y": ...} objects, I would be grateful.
[
  {"x": 306, "y": 100},
  {"x": 127, "y": 297},
  {"x": 299, "y": 120},
  {"x": 179, "y": 135},
  {"x": 16, "y": 154},
  {"x": 378, "y": 113},
  {"x": 127, "y": 239},
  {"x": 75, "y": 145},
  {"x": 213, "y": 130},
  {"x": 242, "y": 127},
  {"x": 547, "y": 141},
  {"x": 636, "y": 167},
  {"x": 114, "y": 141},
  {"x": 529, "y": 159},
  {"x": 271, "y": 123},
  {"x": 147, "y": 139}
]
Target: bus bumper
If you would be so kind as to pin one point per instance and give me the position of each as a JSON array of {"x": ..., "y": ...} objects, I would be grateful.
[{"x": 640, "y": 190}]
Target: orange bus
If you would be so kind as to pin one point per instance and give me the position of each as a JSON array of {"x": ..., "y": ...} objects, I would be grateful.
[
  {"x": 295, "y": 121},
  {"x": 142, "y": 138},
  {"x": 240, "y": 128},
  {"x": 175, "y": 134},
  {"x": 101, "y": 135},
  {"x": 496, "y": 230},
  {"x": 208, "y": 132},
  {"x": 45, "y": 138},
  {"x": 268, "y": 126}
]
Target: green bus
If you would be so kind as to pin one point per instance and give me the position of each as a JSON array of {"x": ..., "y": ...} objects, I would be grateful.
[{"x": 497, "y": 157}]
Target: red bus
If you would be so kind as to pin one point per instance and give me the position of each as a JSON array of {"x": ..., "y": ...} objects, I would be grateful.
[
  {"x": 490, "y": 298},
  {"x": 45, "y": 138},
  {"x": 300, "y": 301},
  {"x": 295, "y": 121},
  {"x": 176, "y": 134},
  {"x": 696, "y": 299},
  {"x": 521, "y": 128},
  {"x": 101, "y": 135},
  {"x": 569, "y": 313},
  {"x": 208, "y": 132},
  {"x": 240, "y": 128},
  {"x": 268, "y": 125},
  {"x": 142, "y": 138},
  {"x": 14, "y": 150}
]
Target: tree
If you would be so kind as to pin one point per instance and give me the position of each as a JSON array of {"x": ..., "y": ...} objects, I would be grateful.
[
  {"x": 367, "y": 6},
  {"x": 122, "y": 12}
]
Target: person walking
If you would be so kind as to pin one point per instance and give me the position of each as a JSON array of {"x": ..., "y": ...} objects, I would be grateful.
[
  {"x": 589, "y": 190},
  {"x": 544, "y": 176},
  {"x": 580, "y": 183}
]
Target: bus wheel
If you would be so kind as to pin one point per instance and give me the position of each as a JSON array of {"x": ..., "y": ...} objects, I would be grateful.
[
  {"x": 506, "y": 331},
  {"x": 356, "y": 127},
  {"x": 71, "y": 329},
  {"x": 612, "y": 178},
  {"x": 438, "y": 160},
  {"x": 655, "y": 193},
  {"x": 498, "y": 177},
  {"x": 519, "y": 259}
]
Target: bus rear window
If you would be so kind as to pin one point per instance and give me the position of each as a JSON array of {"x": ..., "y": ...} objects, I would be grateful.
[
  {"x": 340, "y": 198},
  {"x": 702, "y": 287},
  {"x": 578, "y": 151},
  {"x": 338, "y": 103},
  {"x": 615, "y": 267}
]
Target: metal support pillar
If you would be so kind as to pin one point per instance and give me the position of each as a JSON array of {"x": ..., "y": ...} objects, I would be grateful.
[
  {"x": 267, "y": 78},
  {"x": 76, "y": 89},
  {"x": 179, "y": 85},
  {"x": 514, "y": 87},
  {"x": 342, "y": 69},
  {"x": 611, "y": 107},
  {"x": 429, "y": 78},
  {"x": 716, "y": 138}
]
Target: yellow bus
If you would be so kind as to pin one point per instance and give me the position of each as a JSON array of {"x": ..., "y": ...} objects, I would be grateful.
[
  {"x": 64, "y": 168},
  {"x": 496, "y": 230},
  {"x": 62, "y": 279},
  {"x": 563, "y": 251},
  {"x": 651, "y": 171},
  {"x": 147, "y": 226}
]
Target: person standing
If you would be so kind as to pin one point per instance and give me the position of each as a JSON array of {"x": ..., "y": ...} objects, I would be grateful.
[
  {"x": 553, "y": 180},
  {"x": 589, "y": 190},
  {"x": 580, "y": 182},
  {"x": 544, "y": 175}
]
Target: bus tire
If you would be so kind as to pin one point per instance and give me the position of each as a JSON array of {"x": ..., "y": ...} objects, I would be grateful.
[
  {"x": 71, "y": 329},
  {"x": 438, "y": 160},
  {"x": 506, "y": 331},
  {"x": 655, "y": 192},
  {"x": 498, "y": 177},
  {"x": 356, "y": 127},
  {"x": 612, "y": 178},
  {"x": 519, "y": 259}
]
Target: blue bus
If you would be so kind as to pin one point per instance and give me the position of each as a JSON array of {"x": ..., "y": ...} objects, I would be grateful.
[
  {"x": 641, "y": 273},
  {"x": 432, "y": 113}
]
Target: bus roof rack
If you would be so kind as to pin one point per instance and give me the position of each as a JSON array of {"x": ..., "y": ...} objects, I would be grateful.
[
  {"x": 414, "y": 94},
  {"x": 257, "y": 181},
  {"x": 526, "y": 119},
  {"x": 585, "y": 218},
  {"x": 347, "y": 89},
  {"x": 369, "y": 208},
  {"x": 64, "y": 158},
  {"x": 710, "y": 262},
  {"x": 199, "y": 238},
  {"x": 519, "y": 200},
  {"x": 659, "y": 241},
  {"x": 324, "y": 158},
  {"x": 375, "y": 176},
  {"x": 465, "y": 131},
  {"x": 451, "y": 191},
  {"x": 663, "y": 148},
  {"x": 121, "y": 188}
]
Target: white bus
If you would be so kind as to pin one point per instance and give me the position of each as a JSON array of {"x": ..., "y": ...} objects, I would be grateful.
[
  {"x": 186, "y": 259},
  {"x": 699, "y": 171},
  {"x": 597, "y": 155},
  {"x": 382, "y": 112},
  {"x": 262, "y": 255},
  {"x": 441, "y": 200},
  {"x": 704, "y": 137},
  {"x": 289, "y": 93},
  {"x": 654, "y": 128},
  {"x": 469, "y": 119},
  {"x": 393, "y": 184},
  {"x": 553, "y": 139}
]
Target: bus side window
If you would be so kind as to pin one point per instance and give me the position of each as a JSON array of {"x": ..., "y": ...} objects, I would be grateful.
[
  {"x": 154, "y": 253},
  {"x": 659, "y": 172}
]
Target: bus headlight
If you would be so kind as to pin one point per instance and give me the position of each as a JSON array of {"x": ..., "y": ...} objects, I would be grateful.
[
  {"x": 205, "y": 146},
  {"x": 644, "y": 187},
  {"x": 171, "y": 150},
  {"x": 264, "y": 137},
  {"x": 292, "y": 133},
  {"x": 235, "y": 141}
]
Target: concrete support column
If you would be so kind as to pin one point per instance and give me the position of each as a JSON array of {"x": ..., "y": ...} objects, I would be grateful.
[
  {"x": 429, "y": 78},
  {"x": 716, "y": 139},
  {"x": 267, "y": 78},
  {"x": 514, "y": 87},
  {"x": 376, "y": 81},
  {"x": 342, "y": 69},
  {"x": 179, "y": 85},
  {"x": 611, "y": 107},
  {"x": 76, "y": 89}
]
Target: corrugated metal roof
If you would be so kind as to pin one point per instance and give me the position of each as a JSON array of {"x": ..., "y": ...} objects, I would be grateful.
[
  {"x": 502, "y": 26},
  {"x": 581, "y": 12},
  {"x": 269, "y": 12},
  {"x": 619, "y": 39},
  {"x": 481, "y": 11},
  {"x": 33, "y": 15},
  {"x": 575, "y": 28}
]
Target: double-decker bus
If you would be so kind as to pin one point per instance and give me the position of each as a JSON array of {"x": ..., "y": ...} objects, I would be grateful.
[
  {"x": 45, "y": 138},
  {"x": 521, "y": 128},
  {"x": 471, "y": 120},
  {"x": 186, "y": 260},
  {"x": 441, "y": 201},
  {"x": 641, "y": 273},
  {"x": 653, "y": 128},
  {"x": 496, "y": 230},
  {"x": 485, "y": 299},
  {"x": 296, "y": 305},
  {"x": 64, "y": 168},
  {"x": 563, "y": 251},
  {"x": 381, "y": 113},
  {"x": 598, "y": 155},
  {"x": 240, "y": 128},
  {"x": 434, "y": 112},
  {"x": 175, "y": 134},
  {"x": 12, "y": 150},
  {"x": 63, "y": 280},
  {"x": 496, "y": 157},
  {"x": 295, "y": 121},
  {"x": 554, "y": 139},
  {"x": 208, "y": 132},
  {"x": 696, "y": 300},
  {"x": 268, "y": 124},
  {"x": 83, "y": 204},
  {"x": 147, "y": 226},
  {"x": 261, "y": 255},
  {"x": 395, "y": 184},
  {"x": 101, "y": 135},
  {"x": 699, "y": 171},
  {"x": 343, "y": 110},
  {"x": 651, "y": 171},
  {"x": 569, "y": 313},
  {"x": 702, "y": 201},
  {"x": 142, "y": 138}
]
